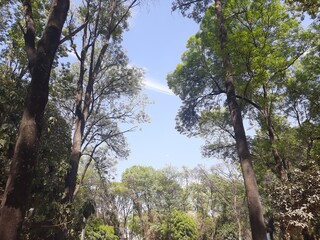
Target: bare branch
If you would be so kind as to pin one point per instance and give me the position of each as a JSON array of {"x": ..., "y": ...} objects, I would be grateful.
[{"x": 72, "y": 34}]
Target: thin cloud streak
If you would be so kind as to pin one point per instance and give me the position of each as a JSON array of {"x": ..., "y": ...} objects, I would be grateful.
[{"x": 154, "y": 86}]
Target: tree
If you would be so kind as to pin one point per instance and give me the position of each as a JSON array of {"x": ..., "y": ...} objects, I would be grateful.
[
  {"x": 218, "y": 202},
  {"x": 46, "y": 187},
  {"x": 140, "y": 182},
  {"x": 12, "y": 91},
  {"x": 103, "y": 24},
  {"x": 177, "y": 226},
  {"x": 123, "y": 206},
  {"x": 40, "y": 60},
  {"x": 254, "y": 204},
  {"x": 299, "y": 145},
  {"x": 296, "y": 205},
  {"x": 311, "y": 6},
  {"x": 44, "y": 210},
  {"x": 96, "y": 230},
  {"x": 106, "y": 89},
  {"x": 154, "y": 195}
]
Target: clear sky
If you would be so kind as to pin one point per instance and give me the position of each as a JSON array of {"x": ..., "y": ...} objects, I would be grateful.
[{"x": 155, "y": 42}]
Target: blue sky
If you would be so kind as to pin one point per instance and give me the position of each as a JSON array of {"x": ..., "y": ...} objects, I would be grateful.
[{"x": 155, "y": 42}]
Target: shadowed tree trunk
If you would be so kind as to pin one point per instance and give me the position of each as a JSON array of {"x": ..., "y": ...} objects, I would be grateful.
[
  {"x": 258, "y": 228},
  {"x": 40, "y": 59}
]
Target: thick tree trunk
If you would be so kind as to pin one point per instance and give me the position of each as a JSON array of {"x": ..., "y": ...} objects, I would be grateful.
[
  {"x": 258, "y": 228},
  {"x": 17, "y": 192}
]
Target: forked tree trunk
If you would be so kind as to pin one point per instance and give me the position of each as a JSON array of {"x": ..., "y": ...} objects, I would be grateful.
[
  {"x": 258, "y": 228},
  {"x": 40, "y": 59}
]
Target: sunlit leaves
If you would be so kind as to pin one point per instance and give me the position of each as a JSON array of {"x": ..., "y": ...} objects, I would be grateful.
[
  {"x": 178, "y": 226},
  {"x": 264, "y": 42},
  {"x": 97, "y": 230},
  {"x": 297, "y": 203}
]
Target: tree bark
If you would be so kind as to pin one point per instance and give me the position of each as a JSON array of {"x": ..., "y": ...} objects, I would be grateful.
[
  {"x": 82, "y": 106},
  {"x": 281, "y": 167},
  {"x": 40, "y": 59},
  {"x": 84, "y": 101},
  {"x": 258, "y": 228}
]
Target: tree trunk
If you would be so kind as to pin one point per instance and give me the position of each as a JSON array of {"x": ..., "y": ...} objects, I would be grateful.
[
  {"x": 74, "y": 159},
  {"x": 83, "y": 231},
  {"x": 258, "y": 228},
  {"x": 237, "y": 216},
  {"x": 281, "y": 167},
  {"x": 82, "y": 108},
  {"x": 17, "y": 193}
]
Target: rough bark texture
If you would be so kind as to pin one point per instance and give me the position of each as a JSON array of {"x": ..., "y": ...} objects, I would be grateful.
[
  {"x": 40, "y": 59},
  {"x": 258, "y": 228}
]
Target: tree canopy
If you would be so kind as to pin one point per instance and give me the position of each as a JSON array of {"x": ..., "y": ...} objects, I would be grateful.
[{"x": 249, "y": 86}]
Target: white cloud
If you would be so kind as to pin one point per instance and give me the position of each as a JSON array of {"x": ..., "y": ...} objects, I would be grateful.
[
  {"x": 153, "y": 85},
  {"x": 72, "y": 55}
]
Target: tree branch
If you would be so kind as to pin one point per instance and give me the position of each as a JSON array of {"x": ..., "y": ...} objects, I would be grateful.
[
  {"x": 29, "y": 34},
  {"x": 72, "y": 34}
]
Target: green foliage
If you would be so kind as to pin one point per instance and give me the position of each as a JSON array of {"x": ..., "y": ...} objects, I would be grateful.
[
  {"x": 309, "y": 6},
  {"x": 48, "y": 183},
  {"x": 215, "y": 126},
  {"x": 276, "y": 70},
  {"x": 293, "y": 202},
  {"x": 273, "y": 61},
  {"x": 135, "y": 225},
  {"x": 167, "y": 191},
  {"x": 178, "y": 225},
  {"x": 197, "y": 81},
  {"x": 178, "y": 201},
  {"x": 196, "y": 13},
  {"x": 96, "y": 230},
  {"x": 12, "y": 94},
  {"x": 296, "y": 203},
  {"x": 139, "y": 178},
  {"x": 264, "y": 41}
]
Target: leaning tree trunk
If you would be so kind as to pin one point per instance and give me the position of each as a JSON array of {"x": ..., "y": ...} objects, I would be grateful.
[
  {"x": 258, "y": 228},
  {"x": 40, "y": 59}
]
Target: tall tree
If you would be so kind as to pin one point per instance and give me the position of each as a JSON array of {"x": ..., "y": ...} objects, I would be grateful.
[
  {"x": 47, "y": 186},
  {"x": 106, "y": 89},
  {"x": 140, "y": 182},
  {"x": 40, "y": 59},
  {"x": 258, "y": 228},
  {"x": 101, "y": 62}
]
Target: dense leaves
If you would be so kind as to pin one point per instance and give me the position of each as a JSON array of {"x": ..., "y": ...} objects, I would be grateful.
[
  {"x": 275, "y": 69},
  {"x": 93, "y": 89},
  {"x": 96, "y": 230}
]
